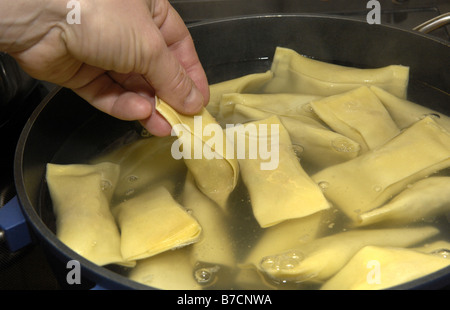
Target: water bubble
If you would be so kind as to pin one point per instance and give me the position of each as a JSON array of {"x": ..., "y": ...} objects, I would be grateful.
[
  {"x": 268, "y": 262},
  {"x": 377, "y": 188},
  {"x": 129, "y": 192},
  {"x": 145, "y": 133},
  {"x": 132, "y": 178},
  {"x": 189, "y": 211},
  {"x": 298, "y": 149},
  {"x": 343, "y": 145},
  {"x": 206, "y": 275},
  {"x": 444, "y": 253},
  {"x": 324, "y": 185},
  {"x": 106, "y": 185},
  {"x": 306, "y": 108},
  {"x": 431, "y": 115},
  {"x": 285, "y": 261}
]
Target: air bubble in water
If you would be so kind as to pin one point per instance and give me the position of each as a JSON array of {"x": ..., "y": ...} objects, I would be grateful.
[
  {"x": 206, "y": 275},
  {"x": 431, "y": 115},
  {"x": 145, "y": 133},
  {"x": 106, "y": 185},
  {"x": 285, "y": 261},
  {"x": 377, "y": 188},
  {"x": 324, "y": 185},
  {"x": 129, "y": 192},
  {"x": 132, "y": 178},
  {"x": 444, "y": 253},
  {"x": 298, "y": 149}
]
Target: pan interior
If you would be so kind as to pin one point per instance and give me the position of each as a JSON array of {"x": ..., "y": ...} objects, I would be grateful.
[{"x": 96, "y": 132}]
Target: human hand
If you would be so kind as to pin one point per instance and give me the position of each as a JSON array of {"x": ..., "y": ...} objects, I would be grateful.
[{"x": 120, "y": 55}]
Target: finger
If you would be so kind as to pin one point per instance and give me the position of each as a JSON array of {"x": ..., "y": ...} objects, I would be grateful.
[
  {"x": 169, "y": 79},
  {"x": 168, "y": 74},
  {"x": 180, "y": 43},
  {"x": 157, "y": 125},
  {"x": 133, "y": 82},
  {"x": 110, "y": 97}
]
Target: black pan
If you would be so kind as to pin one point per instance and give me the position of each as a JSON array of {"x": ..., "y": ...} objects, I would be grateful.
[{"x": 65, "y": 129}]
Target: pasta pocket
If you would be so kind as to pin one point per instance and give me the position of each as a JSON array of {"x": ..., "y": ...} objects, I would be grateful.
[
  {"x": 320, "y": 259},
  {"x": 81, "y": 197},
  {"x": 359, "y": 115},
  {"x": 316, "y": 145},
  {"x": 292, "y": 105},
  {"x": 294, "y": 73},
  {"x": 369, "y": 180},
  {"x": 283, "y": 190},
  {"x": 405, "y": 112},
  {"x": 251, "y": 83},
  {"x": 145, "y": 163},
  {"x": 170, "y": 270},
  {"x": 375, "y": 268},
  {"x": 154, "y": 222},
  {"x": 214, "y": 245},
  {"x": 216, "y": 176},
  {"x": 418, "y": 202}
]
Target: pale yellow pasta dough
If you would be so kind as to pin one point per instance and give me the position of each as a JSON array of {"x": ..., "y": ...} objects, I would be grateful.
[
  {"x": 359, "y": 115},
  {"x": 154, "y": 222},
  {"x": 316, "y": 145},
  {"x": 170, "y": 270},
  {"x": 320, "y": 259},
  {"x": 215, "y": 245},
  {"x": 216, "y": 177},
  {"x": 368, "y": 181},
  {"x": 439, "y": 248},
  {"x": 295, "y": 73},
  {"x": 278, "y": 104},
  {"x": 418, "y": 202},
  {"x": 279, "y": 188},
  {"x": 375, "y": 267},
  {"x": 405, "y": 112},
  {"x": 81, "y": 203},
  {"x": 145, "y": 163},
  {"x": 284, "y": 236},
  {"x": 250, "y": 83}
]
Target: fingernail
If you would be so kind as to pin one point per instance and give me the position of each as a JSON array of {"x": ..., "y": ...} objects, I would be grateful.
[{"x": 194, "y": 101}]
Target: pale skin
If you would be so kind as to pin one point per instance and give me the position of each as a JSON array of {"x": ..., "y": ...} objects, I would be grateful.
[{"x": 120, "y": 55}]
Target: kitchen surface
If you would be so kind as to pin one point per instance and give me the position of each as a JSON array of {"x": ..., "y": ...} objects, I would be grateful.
[{"x": 29, "y": 268}]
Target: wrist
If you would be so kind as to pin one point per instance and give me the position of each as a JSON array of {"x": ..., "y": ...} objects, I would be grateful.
[{"x": 25, "y": 22}]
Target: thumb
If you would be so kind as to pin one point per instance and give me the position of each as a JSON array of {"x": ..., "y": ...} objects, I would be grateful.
[{"x": 171, "y": 79}]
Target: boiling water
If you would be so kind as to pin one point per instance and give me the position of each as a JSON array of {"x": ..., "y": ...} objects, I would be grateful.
[{"x": 243, "y": 229}]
